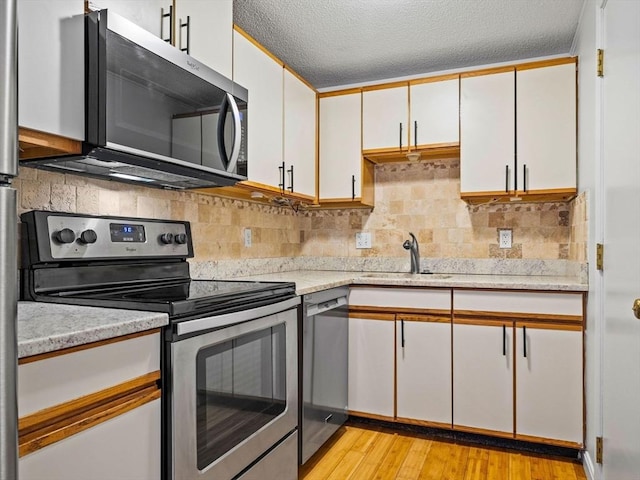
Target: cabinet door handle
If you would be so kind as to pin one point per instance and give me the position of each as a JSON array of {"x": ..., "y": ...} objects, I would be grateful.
[
  {"x": 281, "y": 170},
  {"x": 353, "y": 187},
  {"x": 524, "y": 341},
  {"x": 164, "y": 15},
  {"x": 506, "y": 178},
  {"x": 186, "y": 25},
  {"x": 290, "y": 172},
  {"x": 400, "y": 135},
  {"x": 524, "y": 178},
  {"x": 402, "y": 333},
  {"x": 415, "y": 134},
  {"x": 504, "y": 340}
]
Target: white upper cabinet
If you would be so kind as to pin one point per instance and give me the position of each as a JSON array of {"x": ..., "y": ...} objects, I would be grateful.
[
  {"x": 340, "y": 146},
  {"x": 51, "y": 66},
  {"x": 435, "y": 112},
  {"x": 263, "y": 77},
  {"x": 487, "y": 133},
  {"x": 210, "y": 32},
  {"x": 385, "y": 116},
  {"x": 146, "y": 14},
  {"x": 299, "y": 135},
  {"x": 546, "y": 134}
]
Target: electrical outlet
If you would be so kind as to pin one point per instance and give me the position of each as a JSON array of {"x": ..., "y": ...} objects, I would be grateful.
[
  {"x": 504, "y": 238},
  {"x": 247, "y": 237},
  {"x": 363, "y": 240}
]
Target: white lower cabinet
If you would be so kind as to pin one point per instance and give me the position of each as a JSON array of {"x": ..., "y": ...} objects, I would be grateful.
[
  {"x": 92, "y": 413},
  {"x": 423, "y": 370},
  {"x": 371, "y": 371},
  {"x": 483, "y": 377},
  {"x": 125, "y": 447},
  {"x": 549, "y": 383}
]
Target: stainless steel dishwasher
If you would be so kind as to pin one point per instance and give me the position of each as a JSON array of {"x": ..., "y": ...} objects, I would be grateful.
[{"x": 325, "y": 344}]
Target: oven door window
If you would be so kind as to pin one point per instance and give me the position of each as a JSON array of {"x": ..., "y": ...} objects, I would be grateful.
[{"x": 241, "y": 387}]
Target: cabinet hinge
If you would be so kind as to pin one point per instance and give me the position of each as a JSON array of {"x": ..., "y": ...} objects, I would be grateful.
[
  {"x": 600, "y": 62},
  {"x": 599, "y": 453},
  {"x": 599, "y": 256}
]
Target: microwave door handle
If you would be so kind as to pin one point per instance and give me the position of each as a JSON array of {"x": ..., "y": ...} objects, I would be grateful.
[
  {"x": 237, "y": 137},
  {"x": 222, "y": 119}
]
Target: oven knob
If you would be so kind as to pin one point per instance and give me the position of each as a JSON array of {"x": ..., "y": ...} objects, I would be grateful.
[
  {"x": 180, "y": 238},
  {"x": 88, "y": 236},
  {"x": 166, "y": 238},
  {"x": 66, "y": 235}
]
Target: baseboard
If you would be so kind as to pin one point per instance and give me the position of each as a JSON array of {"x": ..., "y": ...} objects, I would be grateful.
[{"x": 587, "y": 464}]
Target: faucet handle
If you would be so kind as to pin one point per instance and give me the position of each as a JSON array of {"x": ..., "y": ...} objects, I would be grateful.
[{"x": 406, "y": 245}]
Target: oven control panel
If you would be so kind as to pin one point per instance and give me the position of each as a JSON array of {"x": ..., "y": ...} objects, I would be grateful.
[{"x": 71, "y": 236}]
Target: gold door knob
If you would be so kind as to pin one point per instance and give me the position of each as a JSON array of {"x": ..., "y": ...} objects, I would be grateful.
[{"x": 636, "y": 308}]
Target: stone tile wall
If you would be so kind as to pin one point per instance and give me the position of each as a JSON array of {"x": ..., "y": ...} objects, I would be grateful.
[
  {"x": 217, "y": 223},
  {"x": 422, "y": 198}
]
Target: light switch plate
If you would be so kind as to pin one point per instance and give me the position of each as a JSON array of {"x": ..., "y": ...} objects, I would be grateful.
[
  {"x": 505, "y": 238},
  {"x": 363, "y": 240},
  {"x": 247, "y": 237}
]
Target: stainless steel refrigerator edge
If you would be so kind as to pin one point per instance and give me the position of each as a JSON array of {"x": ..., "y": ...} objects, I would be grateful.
[{"x": 8, "y": 241}]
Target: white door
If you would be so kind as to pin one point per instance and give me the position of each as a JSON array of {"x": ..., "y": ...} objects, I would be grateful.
[
  {"x": 435, "y": 112},
  {"x": 263, "y": 77},
  {"x": 487, "y": 132},
  {"x": 549, "y": 382},
  {"x": 371, "y": 366},
  {"x": 423, "y": 370},
  {"x": 385, "y": 114},
  {"x": 483, "y": 376},
  {"x": 340, "y": 141},
  {"x": 621, "y": 130},
  {"x": 299, "y": 135},
  {"x": 210, "y": 32}
]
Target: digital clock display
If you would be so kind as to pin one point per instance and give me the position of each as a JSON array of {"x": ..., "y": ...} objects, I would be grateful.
[{"x": 127, "y": 233}]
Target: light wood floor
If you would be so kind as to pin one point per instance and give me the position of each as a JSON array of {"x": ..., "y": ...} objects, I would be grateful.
[{"x": 357, "y": 453}]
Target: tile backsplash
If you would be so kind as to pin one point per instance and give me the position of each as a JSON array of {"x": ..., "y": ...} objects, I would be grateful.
[{"x": 421, "y": 197}]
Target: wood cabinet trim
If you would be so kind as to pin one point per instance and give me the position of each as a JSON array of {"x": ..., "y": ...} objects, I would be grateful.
[
  {"x": 547, "y": 63},
  {"x": 257, "y": 44},
  {"x": 338, "y": 93},
  {"x": 541, "y": 318},
  {"x": 487, "y": 71},
  {"x": 372, "y": 416},
  {"x": 48, "y": 426},
  {"x": 424, "y": 423},
  {"x": 549, "y": 441},
  {"x": 484, "y": 322},
  {"x": 435, "y": 317},
  {"x": 369, "y": 315},
  {"x": 439, "y": 78},
  {"x": 86, "y": 346},
  {"x": 483, "y": 431},
  {"x": 569, "y": 327},
  {"x": 402, "y": 311},
  {"x": 386, "y": 86},
  {"x": 37, "y": 144}
]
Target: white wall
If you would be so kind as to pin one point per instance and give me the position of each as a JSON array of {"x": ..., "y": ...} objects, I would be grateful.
[{"x": 585, "y": 45}]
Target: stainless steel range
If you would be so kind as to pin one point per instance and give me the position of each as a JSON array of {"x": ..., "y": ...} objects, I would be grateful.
[{"x": 230, "y": 370}]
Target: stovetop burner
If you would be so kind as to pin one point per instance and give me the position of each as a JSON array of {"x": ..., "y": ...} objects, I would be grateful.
[{"x": 129, "y": 263}]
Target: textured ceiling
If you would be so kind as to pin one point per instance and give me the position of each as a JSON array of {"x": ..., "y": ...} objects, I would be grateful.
[{"x": 340, "y": 42}]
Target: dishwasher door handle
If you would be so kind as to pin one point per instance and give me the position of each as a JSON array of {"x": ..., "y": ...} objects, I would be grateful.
[{"x": 318, "y": 308}]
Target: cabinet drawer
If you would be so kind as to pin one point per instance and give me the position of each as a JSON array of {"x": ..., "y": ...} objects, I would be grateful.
[
  {"x": 549, "y": 303},
  {"x": 404, "y": 298},
  {"x": 58, "y": 379}
]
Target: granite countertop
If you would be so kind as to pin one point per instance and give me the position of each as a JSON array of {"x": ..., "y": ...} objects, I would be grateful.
[
  {"x": 309, "y": 281},
  {"x": 47, "y": 327}
]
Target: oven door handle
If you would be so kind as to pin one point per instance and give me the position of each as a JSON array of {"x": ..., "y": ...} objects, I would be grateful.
[{"x": 227, "y": 319}]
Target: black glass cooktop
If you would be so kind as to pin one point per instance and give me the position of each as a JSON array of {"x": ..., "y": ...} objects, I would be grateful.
[{"x": 180, "y": 297}]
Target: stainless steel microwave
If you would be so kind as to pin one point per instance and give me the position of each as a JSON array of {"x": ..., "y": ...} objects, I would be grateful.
[{"x": 153, "y": 114}]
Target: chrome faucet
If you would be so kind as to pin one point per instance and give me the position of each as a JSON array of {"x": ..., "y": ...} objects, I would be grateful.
[{"x": 414, "y": 252}]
